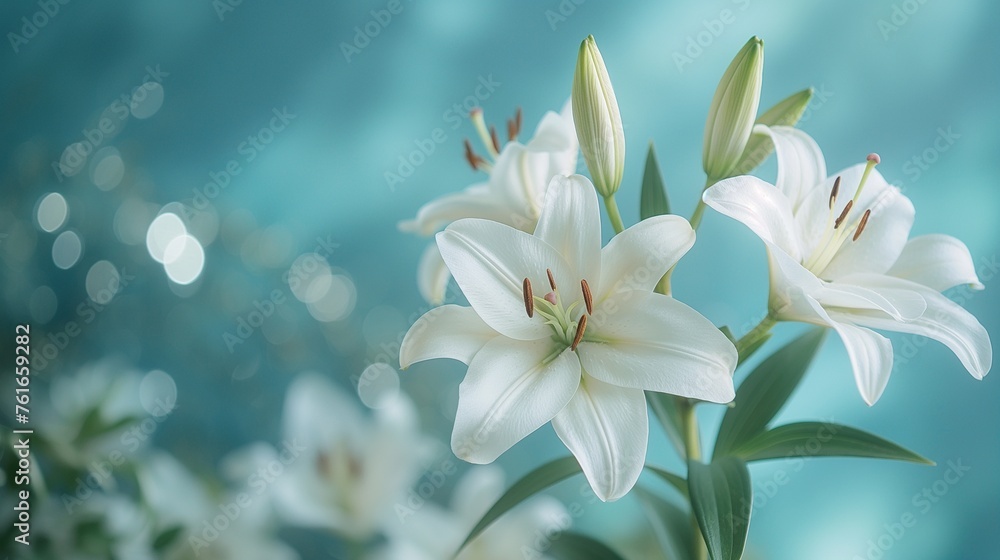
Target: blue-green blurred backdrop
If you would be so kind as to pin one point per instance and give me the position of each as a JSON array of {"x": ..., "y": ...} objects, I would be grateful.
[{"x": 891, "y": 76}]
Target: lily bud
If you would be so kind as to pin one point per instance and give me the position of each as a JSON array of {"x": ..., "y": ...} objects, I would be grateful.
[
  {"x": 734, "y": 108},
  {"x": 598, "y": 120}
]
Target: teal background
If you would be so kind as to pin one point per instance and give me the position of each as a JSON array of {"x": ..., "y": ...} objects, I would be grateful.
[{"x": 879, "y": 88}]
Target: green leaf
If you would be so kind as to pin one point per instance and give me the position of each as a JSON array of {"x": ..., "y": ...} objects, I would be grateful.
[
  {"x": 765, "y": 391},
  {"x": 722, "y": 498},
  {"x": 574, "y": 546},
  {"x": 822, "y": 439},
  {"x": 529, "y": 485},
  {"x": 665, "y": 408},
  {"x": 787, "y": 112},
  {"x": 671, "y": 524},
  {"x": 166, "y": 538},
  {"x": 653, "y": 199},
  {"x": 675, "y": 480}
]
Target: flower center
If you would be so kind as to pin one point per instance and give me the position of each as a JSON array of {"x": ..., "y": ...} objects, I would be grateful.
[
  {"x": 342, "y": 469},
  {"x": 568, "y": 330},
  {"x": 490, "y": 140},
  {"x": 837, "y": 230}
]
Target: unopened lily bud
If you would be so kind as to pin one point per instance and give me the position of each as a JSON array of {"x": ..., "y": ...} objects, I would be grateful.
[
  {"x": 734, "y": 108},
  {"x": 598, "y": 120}
]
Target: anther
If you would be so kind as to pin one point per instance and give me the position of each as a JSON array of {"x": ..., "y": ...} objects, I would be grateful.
[
  {"x": 517, "y": 119},
  {"x": 862, "y": 224},
  {"x": 496, "y": 140},
  {"x": 580, "y": 328},
  {"x": 588, "y": 299},
  {"x": 843, "y": 215},
  {"x": 552, "y": 279},
  {"x": 471, "y": 156},
  {"x": 529, "y": 300},
  {"x": 833, "y": 193},
  {"x": 511, "y": 130}
]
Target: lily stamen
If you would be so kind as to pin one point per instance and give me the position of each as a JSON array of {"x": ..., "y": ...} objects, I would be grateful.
[
  {"x": 580, "y": 328},
  {"x": 862, "y": 224},
  {"x": 588, "y": 299},
  {"x": 476, "y": 116},
  {"x": 552, "y": 279},
  {"x": 843, "y": 215},
  {"x": 834, "y": 191},
  {"x": 514, "y": 126},
  {"x": 529, "y": 300},
  {"x": 495, "y": 138}
]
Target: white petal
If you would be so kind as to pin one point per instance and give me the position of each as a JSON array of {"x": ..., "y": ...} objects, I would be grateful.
[
  {"x": 871, "y": 359},
  {"x": 654, "y": 342},
  {"x": 490, "y": 262},
  {"x": 432, "y": 276},
  {"x": 801, "y": 166},
  {"x": 884, "y": 236},
  {"x": 449, "y": 331},
  {"x": 873, "y": 292},
  {"x": 318, "y": 414},
  {"x": 760, "y": 206},
  {"x": 936, "y": 261},
  {"x": 556, "y": 133},
  {"x": 948, "y": 323},
  {"x": 606, "y": 428},
  {"x": 571, "y": 223},
  {"x": 638, "y": 257},
  {"x": 476, "y": 201},
  {"x": 511, "y": 390},
  {"x": 793, "y": 288}
]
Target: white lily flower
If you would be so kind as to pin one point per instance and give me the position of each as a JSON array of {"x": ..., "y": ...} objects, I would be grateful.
[
  {"x": 580, "y": 356},
  {"x": 513, "y": 194},
  {"x": 353, "y": 469},
  {"x": 839, "y": 257},
  {"x": 435, "y": 533}
]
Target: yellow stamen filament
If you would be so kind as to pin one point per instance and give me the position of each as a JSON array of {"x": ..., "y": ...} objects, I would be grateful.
[
  {"x": 588, "y": 299},
  {"x": 476, "y": 116}
]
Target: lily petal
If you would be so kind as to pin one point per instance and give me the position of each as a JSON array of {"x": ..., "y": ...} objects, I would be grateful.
[
  {"x": 874, "y": 292},
  {"x": 948, "y": 323},
  {"x": 570, "y": 223},
  {"x": 801, "y": 166},
  {"x": 636, "y": 258},
  {"x": 449, "y": 331},
  {"x": 476, "y": 201},
  {"x": 654, "y": 342},
  {"x": 871, "y": 359},
  {"x": 432, "y": 276},
  {"x": 512, "y": 388},
  {"x": 759, "y": 206},
  {"x": 937, "y": 261},
  {"x": 606, "y": 428},
  {"x": 319, "y": 414},
  {"x": 490, "y": 262}
]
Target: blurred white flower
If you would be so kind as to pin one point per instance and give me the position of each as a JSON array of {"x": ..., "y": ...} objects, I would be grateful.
[
  {"x": 580, "y": 356},
  {"x": 353, "y": 469},
  {"x": 435, "y": 533},
  {"x": 839, "y": 257},
  {"x": 513, "y": 194}
]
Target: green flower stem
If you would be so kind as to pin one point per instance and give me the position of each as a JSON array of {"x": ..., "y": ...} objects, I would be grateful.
[
  {"x": 754, "y": 337},
  {"x": 663, "y": 286},
  {"x": 692, "y": 447},
  {"x": 613, "y": 214},
  {"x": 699, "y": 210}
]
